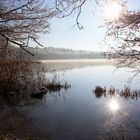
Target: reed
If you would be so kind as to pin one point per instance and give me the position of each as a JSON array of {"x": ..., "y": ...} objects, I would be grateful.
[
  {"x": 126, "y": 92},
  {"x": 56, "y": 85}
]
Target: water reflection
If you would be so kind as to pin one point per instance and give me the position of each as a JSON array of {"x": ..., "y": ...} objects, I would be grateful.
[{"x": 113, "y": 105}]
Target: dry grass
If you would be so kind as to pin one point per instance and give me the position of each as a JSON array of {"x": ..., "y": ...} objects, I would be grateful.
[
  {"x": 21, "y": 79},
  {"x": 18, "y": 77},
  {"x": 112, "y": 91},
  {"x": 99, "y": 91},
  {"x": 55, "y": 85}
]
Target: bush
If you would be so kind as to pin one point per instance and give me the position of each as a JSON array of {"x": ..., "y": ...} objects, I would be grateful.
[{"x": 19, "y": 77}]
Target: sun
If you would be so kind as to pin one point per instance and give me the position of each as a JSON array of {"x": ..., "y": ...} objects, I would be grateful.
[{"x": 112, "y": 11}]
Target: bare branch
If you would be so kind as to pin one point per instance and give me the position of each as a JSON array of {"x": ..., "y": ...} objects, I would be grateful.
[{"x": 16, "y": 43}]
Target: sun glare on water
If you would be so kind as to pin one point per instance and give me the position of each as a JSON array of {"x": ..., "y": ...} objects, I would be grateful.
[
  {"x": 113, "y": 105},
  {"x": 112, "y": 11}
]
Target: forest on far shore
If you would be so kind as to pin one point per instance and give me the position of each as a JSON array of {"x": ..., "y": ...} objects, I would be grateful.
[{"x": 64, "y": 53}]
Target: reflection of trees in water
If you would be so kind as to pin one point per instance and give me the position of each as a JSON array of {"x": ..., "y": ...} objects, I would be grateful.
[
  {"x": 18, "y": 121},
  {"x": 15, "y": 121}
]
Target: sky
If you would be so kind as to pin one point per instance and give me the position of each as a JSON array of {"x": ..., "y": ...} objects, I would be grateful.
[{"x": 64, "y": 32}]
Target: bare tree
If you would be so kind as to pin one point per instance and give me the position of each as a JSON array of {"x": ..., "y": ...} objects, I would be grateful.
[
  {"x": 22, "y": 21},
  {"x": 125, "y": 31}
]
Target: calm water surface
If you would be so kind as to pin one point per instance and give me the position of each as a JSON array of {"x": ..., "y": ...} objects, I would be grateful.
[{"x": 77, "y": 114}]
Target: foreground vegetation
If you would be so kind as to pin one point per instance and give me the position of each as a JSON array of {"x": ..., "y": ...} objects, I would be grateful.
[
  {"x": 112, "y": 91},
  {"x": 23, "y": 78},
  {"x": 23, "y": 82}
]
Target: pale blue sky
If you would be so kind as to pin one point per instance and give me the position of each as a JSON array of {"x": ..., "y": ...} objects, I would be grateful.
[{"x": 64, "y": 33}]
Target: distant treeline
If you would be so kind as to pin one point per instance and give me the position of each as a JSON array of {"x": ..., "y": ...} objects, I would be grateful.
[
  {"x": 52, "y": 53},
  {"x": 63, "y": 53}
]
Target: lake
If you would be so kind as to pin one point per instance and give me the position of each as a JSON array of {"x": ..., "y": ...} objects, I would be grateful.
[{"x": 77, "y": 113}]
